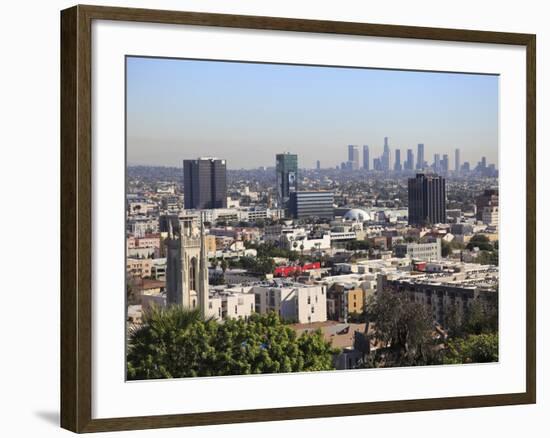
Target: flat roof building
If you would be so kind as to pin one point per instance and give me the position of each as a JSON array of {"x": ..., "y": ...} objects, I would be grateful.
[{"x": 311, "y": 204}]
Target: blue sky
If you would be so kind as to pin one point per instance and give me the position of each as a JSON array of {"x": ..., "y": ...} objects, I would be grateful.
[{"x": 248, "y": 112}]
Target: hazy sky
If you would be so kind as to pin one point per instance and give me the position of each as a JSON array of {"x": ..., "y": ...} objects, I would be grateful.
[{"x": 247, "y": 112}]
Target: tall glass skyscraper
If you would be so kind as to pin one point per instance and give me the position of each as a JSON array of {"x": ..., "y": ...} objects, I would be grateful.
[
  {"x": 385, "y": 159},
  {"x": 353, "y": 157},
  {"x": 366, "y": 157},
  {"x": 397, "y": 166},
  {"x": 420, "y": 157},
  {"x": 287, "y": 176},
  {"x": 409, "y": 164}
]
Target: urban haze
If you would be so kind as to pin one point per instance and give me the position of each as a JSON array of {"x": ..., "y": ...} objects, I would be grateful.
[{"x": 180, "y": 108}]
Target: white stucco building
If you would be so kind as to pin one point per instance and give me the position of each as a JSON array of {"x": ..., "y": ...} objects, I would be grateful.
[{"x": 293, "y": 302}]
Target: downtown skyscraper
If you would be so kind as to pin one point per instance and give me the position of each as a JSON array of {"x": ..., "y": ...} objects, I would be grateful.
[
  {"x": 437, "y": 163},
  {"x": 385, "y": 159},
  {"x": 420, "y": 157},
  {"x": 397, "y": 165},
  {"x": 457, "y": 160},
  {"x": 366, "y": 157},
  {"x": 409, "y": 163},
  {"x": 427, "y": 200},
  {"x": 353, "y": 157}
]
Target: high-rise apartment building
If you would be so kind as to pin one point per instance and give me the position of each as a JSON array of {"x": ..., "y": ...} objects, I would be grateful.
[
  {"x": 427, "y": 199},
  {"x": 287, "y": 176},
  {"x": 205, "y": 183},
  {"x": 457, "y": 160},
  {"x": 366, "y": 157},
  {"x": 420, "y": 157}
]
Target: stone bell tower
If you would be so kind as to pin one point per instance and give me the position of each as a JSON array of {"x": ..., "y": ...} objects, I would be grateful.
[{"x": 187, "y": 265}]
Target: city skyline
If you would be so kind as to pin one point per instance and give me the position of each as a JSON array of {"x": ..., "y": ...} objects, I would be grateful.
[{"x": 183, "y": 109}]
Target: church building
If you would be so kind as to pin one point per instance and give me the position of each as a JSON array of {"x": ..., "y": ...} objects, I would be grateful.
[{"x": 187, "y": 266}]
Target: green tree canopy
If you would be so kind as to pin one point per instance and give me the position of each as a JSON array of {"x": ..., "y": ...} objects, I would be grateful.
[
  {"x": 481, "y": 241},
  {"x": 472, "y": 349},
  {"x": 354, "y": 245},
  {"x": 403, "y": 326},
  {"x": 175, "y": 342},
  {"x": 448, "y": 247},
  {"x": 268, "y": 249},
  {"x": 474, "y": 321}
]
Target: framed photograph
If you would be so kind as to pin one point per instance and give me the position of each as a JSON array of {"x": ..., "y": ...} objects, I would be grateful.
[{"x": 270, "y": 218}]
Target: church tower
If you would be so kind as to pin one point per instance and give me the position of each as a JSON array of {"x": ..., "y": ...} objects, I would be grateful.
[
  {"x": 187, "y": 265},
  {"x": 203, "y": 274}
]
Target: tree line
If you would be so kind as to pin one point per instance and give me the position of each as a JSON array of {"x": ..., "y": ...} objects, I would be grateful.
[{"x": 176, "y": 342}]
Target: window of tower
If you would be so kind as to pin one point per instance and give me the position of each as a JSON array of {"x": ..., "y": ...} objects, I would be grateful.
[{"x": 193, "y": 274}]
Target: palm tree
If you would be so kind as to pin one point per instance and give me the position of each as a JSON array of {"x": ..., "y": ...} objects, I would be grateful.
[
  {"x": 154, "y": 346},
  {"x": 172, "y": 318}
]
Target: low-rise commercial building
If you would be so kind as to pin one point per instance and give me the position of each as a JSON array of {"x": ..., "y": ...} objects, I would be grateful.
[
  {"x": 419, "y": 251},
  {"x": 318, "y": 204}
]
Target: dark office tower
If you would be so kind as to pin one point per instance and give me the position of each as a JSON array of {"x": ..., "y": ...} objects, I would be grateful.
[
  {"x": 385, "y": 159},
  {"x": 204, "y": 183},
  {"x": 420, "y": 157},
  {"x": 457, "y": 160},
  {"x": 366, "y": 157},
  {"x": 353, "y": 157},
  {"x": 427, "y": 200},
  {"x": 287, "y": 176},
  {"x": 377, "y": 164},
  {"x": 483, "y": 162},
  {"x": 445, "y": 163},
  {"x": 409, "y": 164},
  {"x": 397, "y": 166},
  {"x": 318, "y": 165}
]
